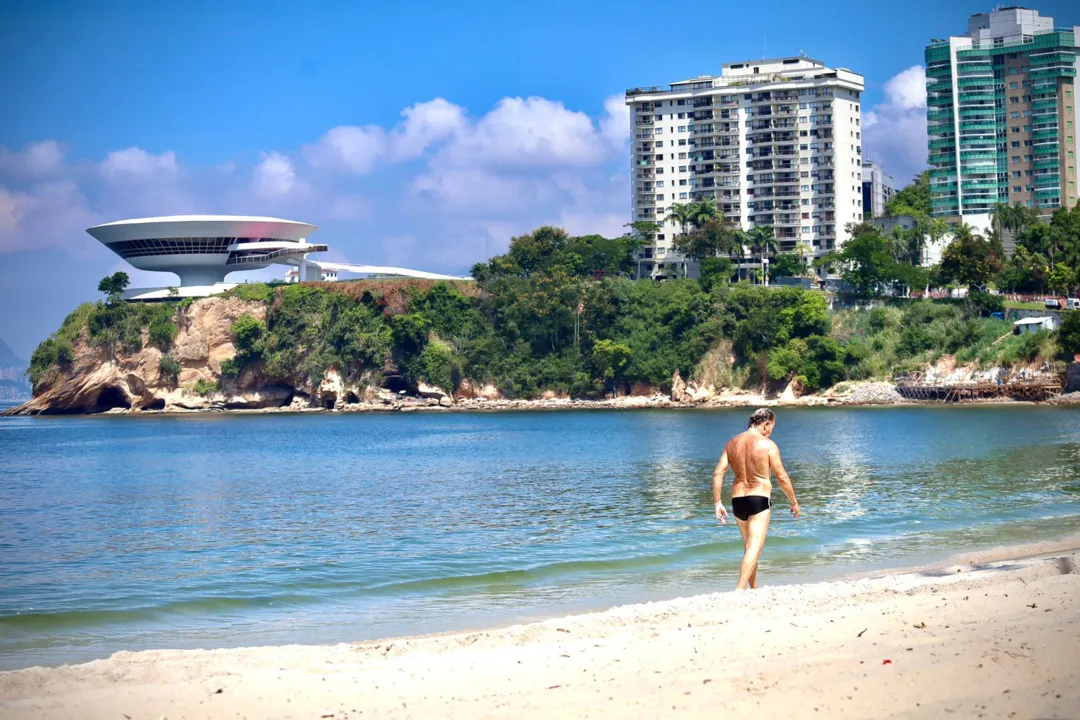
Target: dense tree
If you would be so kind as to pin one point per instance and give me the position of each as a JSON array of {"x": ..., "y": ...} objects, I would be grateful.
[
  {"x": 114, "y": 285},
  {"x": 711, "y": 239},
  {"x": 868, "y": 262},
  {"x": 970, "y": 259},
  {"x": 787, "y": 265},
  {"x": 913, "y": 199}
]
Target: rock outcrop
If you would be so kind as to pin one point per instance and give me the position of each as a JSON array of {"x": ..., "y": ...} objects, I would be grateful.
[{"x": 101, "y": 379}]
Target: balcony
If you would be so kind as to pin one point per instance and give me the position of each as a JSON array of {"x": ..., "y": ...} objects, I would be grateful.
[{"x": 642, "y": 122}]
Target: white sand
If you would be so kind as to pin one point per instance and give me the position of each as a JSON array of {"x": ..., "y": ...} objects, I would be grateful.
[{"x": 1000, "y": 640}]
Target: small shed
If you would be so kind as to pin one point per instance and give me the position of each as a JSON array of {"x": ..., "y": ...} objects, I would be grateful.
[{"x": 1033, "y": 325}]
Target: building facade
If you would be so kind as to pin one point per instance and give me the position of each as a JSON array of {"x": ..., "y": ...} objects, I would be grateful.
[
  {"x": 877, "y": 188},
  {"x": 1002, "y": 116},
  {"x": 772, "y": 142}
]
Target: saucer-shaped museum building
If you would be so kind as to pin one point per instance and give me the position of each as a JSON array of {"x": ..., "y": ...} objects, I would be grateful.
[{"x": 203, "y": 249}]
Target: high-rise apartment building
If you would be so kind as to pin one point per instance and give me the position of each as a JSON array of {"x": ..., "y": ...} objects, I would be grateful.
[
  {"x": 773, "y": 142},
  {"x": 1001, "y": 110},
  {"x": 877, "y": 188}
]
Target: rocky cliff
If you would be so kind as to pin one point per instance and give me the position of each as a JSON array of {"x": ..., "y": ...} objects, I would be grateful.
[{"x": 100, "y": 379}]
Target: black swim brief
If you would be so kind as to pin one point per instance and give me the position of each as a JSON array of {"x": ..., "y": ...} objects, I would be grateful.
[{"x": 748, "y": 505}]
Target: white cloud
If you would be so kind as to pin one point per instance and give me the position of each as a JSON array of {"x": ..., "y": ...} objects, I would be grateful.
[
  {"x": 615, "y": 124},
  {"x": 894, "y": 131},
  {"x": 14, "y": 206},
  {"x": 273, "y": 176},
  {"x": 137, "y": 164},
  {"x": 425, "y": 125},
  {"x": 348, "y": 148},
  {"x": 49, "y": 214},
  {"x": 360, "y": 150},
  {"x": 531, "y": 132},
  {"x": 907, "y": 89},
  {"x": 35, "y": 160}
]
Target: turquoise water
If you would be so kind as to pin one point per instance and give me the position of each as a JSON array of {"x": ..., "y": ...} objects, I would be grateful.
[{"x": 122, "y": 533}]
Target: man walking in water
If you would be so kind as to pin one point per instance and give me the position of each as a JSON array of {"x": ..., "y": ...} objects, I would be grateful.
[{"x": 753, "y": 457}]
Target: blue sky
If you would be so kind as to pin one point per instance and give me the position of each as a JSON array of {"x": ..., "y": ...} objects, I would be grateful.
[{"x": 418, "y": 133}]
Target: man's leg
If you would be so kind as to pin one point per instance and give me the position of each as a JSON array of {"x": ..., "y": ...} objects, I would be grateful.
[
  {"x": 756, "y": 528},
  {"x": 745, "y": 532}
]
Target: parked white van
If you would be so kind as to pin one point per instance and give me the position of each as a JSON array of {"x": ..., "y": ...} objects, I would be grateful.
[{"x": 1072, "y": 303}]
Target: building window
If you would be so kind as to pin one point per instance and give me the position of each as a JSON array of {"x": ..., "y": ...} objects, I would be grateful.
[
  {"x": 682, "y": 116},
  {"x": 682, "y": 196},
  {"x": 682, "y": 141},
  {"x": 682, "y": 156},
  {"x": 1015, "y": 144},
  {"x": 659, "y": 183},
  {"x": 682, "y": 182},
  {"x": 1014, "y": 114},
  {"x": 681, "y": 102},
  {"x": 1016, "y": 188}
]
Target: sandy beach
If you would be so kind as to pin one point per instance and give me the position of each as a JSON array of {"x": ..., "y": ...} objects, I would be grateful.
[{"x": 985, "y": 637}]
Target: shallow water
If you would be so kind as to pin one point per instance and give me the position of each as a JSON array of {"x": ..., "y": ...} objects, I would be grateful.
[{"x": 123, "y": 533}]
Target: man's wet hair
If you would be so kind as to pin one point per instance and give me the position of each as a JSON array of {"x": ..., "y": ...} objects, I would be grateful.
[{"x": 760, "y": 417}]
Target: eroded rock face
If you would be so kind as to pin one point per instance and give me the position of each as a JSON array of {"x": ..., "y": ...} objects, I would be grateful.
[
  {"x": 103, "y": 380},
  {"x": 431, "y": 391},
  {"x": 469, "y": 391},
  {"x": 678, "y": 389}
]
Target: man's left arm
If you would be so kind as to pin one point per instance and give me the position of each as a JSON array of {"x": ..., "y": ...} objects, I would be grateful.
[{"x": 718, "y": 486}]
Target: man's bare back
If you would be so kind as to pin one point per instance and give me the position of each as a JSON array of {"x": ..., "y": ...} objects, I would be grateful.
[{"x": 753, "y": 458}]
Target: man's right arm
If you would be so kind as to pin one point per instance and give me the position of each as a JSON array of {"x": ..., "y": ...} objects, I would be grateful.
[{"x": 782, "y": 478}]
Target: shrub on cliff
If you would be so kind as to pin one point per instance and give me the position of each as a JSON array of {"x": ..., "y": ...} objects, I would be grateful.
[
  {"x": 162, "y": 330},
  {"x": 169, "y": 368}
]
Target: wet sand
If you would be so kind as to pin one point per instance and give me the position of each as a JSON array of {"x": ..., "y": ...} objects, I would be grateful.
[{"x": 982, "y": 638}]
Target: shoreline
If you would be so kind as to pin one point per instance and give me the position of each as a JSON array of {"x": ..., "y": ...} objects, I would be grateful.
[
  {"x": 955, "y": 635},
  {"x": 629, "y": 402}
]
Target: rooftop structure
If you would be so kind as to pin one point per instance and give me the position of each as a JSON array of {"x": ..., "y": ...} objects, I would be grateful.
[
  {"x": 772, "y": 142},
  {"x": 1002, "y": 114},
  {"x": 203, "y": 249}
]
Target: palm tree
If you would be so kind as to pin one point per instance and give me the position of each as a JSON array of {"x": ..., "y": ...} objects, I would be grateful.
[
  {"x": 705, "y": 210},
  {"x": 684, "y": 213},
  {"x": 761, "y": 240}
]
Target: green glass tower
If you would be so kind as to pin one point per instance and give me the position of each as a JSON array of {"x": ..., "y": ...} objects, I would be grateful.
[{"x": 1001, "y": 115}]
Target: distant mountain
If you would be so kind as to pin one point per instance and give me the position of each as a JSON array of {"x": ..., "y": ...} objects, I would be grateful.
[{"x": 8, "y": 358}]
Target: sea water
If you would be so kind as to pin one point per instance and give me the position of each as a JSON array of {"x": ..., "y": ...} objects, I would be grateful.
[{"x": 217, "y": 530}]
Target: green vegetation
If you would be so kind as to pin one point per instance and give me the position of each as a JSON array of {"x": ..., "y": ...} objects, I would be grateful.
[
  {"x": 913, "y": 199},
  {"x": 169, "y": 368},
  {"x": 110, "y": 324},
  {"x": 204, "y": 387},
  {"x": 557, "y": 312}
]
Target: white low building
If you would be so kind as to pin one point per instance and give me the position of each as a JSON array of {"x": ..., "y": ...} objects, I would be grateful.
[
  {"x": 1034, "y": 325},
  {"x": 203, "y": 249}
]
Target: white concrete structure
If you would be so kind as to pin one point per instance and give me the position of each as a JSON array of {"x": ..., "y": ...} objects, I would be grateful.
[
  {"x": 292, "y": 275},
  {"x": 877, "y": 188},
  {"x": 1034, "y": 325},
  {"x": 773, "y": 142},
  {"x": 203, "y": 249}
]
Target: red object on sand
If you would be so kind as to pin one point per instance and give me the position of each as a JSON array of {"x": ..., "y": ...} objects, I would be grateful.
[{"x": 886, "y": 662}]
